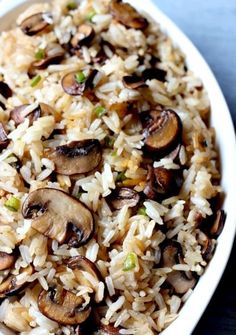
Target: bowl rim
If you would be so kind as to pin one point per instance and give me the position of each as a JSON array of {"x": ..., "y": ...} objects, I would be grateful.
[{"x": 194, "y": 307}]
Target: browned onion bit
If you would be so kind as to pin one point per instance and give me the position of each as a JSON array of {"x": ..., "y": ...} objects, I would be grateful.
[
  {"x": 127, "y": 15},
  {"x": 4, "y": 140},
  {"x": 36, "y": 23},
  {"x": 84, "y": 36},
  {"x": 164, "y": 133},
  {"x": 72, "y": 87}
]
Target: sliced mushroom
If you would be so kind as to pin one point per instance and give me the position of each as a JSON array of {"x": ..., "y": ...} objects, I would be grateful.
[
  {"x": 154, "y": 73},
  {"x": 6, "y": 260},
  {"x": 63, "y": 306},
  {"x": 10, "y": 287},
  {"x": 124, "y": 196},
  {"x": 179, "y": 280},
  {"x": 84, "y": 36},
  {"x": 54, "y": 53},
  {"x": 4, "y": 140},
  {"x": 127, "y": 15},
  {"x": 133, "y": 82},
  {"x": 81, "y": 264},
  {"x": 208, "y": 249},
  {"x": 51, "y": 211},
  {"x": 17, "y": 114},
  {"x": 103, "y": 54},
  {"x": 72, "y": 87},
  {"x": 76, "y": 157},
  {"x": 109, "y": 330},
  {"x": 36, "y": 23},
  {"x": 163, "y": 134},
  {"x": 218, "y": 224},
  {"x": 6, "y": 92}
]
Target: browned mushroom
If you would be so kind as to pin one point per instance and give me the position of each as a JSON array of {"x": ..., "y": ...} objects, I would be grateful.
[
  {"x": 102, "y": 55},
  {"x": 76, "y": 157},
  {"x": 164, "y": 133},
  {"x": 76, "y": 83},
  {"x": 36, "y": 23},
  {"x": 162, "y": 183},
  {"x": 208, "y": 249},
  {"x": 80, "y": 264},
  {"x": 181, "y": 281},
  {"x": 4, "y": 140},
  {"x": 63, "y": 306},
  {"x": 124, "y": 196},
  {"x": 5, "y": 91},
  {"x": 17, "y": 114},
  {"x": 53, "y": 54},
  {"x": 10, "y": 287},
  {"x": 109, "y": 330},
  {"x": 133, "y": 81},
  {"x": 218, "y": 224},
  {"x": 51, "y": 211},
  {"x": 6, "y": 260},
  {"x": 127, "y": 15},
  {"x": 84, "y": 36},
  {"x": 154, "y": 73}
]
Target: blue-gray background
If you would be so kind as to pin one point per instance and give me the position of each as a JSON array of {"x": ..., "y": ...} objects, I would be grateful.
[{"x": 211, "y": 25}]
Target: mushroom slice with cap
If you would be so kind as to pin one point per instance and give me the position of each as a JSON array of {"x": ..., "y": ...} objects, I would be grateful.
[
  {"x": 63, "y": 306},
  {"x": 76, "y": 157},
  {"x": 36, "y": 23},
  {"x": 127, "y": 15},
  {"x": 51, "y": 211},
  {"x": 154, "y": 73},
  {"x": 6, "y": 92},
  {"x": 10, "y": 286},
  {"x": 133, "y": 82},
  {"x": 4, "y": 140},
  {"x": 81, "y": 265},
  {"x": 164, "y": 133},
  {"x": 218, "y": 224},
  {"x": 54, "y": 53},
  {"x": 76, "y": 83},
  {"x": 84, "y": 36},
  {"x": 6, "y": 260},
  {"x": 124, "y": 196},
  {"x": 208, "y": 249},
  {"x": 18, "y": 113},
  {"x": 179, "y": 280}
]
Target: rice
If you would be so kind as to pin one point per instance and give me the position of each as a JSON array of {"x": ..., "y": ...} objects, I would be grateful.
[{"x": 94, "y": 211}]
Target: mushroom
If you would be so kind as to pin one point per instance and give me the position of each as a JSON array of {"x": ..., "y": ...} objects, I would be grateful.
[
  {"x": 18, "y": 115},
  {"x": 63, "y": 306},
  {"x": 73, "y": 87},
  {"x": 164, "y": 133},
  {"x": 109, "y": 330},
  {"x": 218, "y": 224},
  {"x": 162, "y": 183},
  {"x": 124, "y": 196},
  {"x": 154, "y": 73},
  {"x": 10, "y": 287},
  {"x": 6, "y": 260},
  {"x": 106, "y": 49},
  {"x": 4, "y": 140},
  {"x": 53, "y": 54},
  {"x": 84, "y": 36},
  {"x": 133, "y": 82},
  {"x": 179, "y": 280},
  {"x": 81, "y": 264},
  {"x": 127, "y": 15},
  {"x": 76, "y": 157},
  {"x": 51, "y": 211},
  {"x": 208, "y": 249},
  {"x": 36, "y": 23},
  {"x": 6, "y": 92}
]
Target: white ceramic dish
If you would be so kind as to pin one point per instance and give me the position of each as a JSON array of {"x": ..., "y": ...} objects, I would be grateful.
[{"x": 221, "y": 121}]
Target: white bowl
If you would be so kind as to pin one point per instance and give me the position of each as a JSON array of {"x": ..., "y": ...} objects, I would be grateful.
[{"x": 221, "y": 121}]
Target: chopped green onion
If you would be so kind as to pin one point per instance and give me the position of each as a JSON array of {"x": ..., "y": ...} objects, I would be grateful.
[
  {"x": 109, "y": 141},
  {"x": 13, "y": 204},
  {"x": 80, "y": 77},
  {"x": 40, "y": 54},
  {"x": 99, "y": 111},
  {"x": 114, "y": 154},
  {"x": 130, "y": 262},
  {"x": 121, "y": 176},
  {"x": 90, "y": 15},
  {"x": 35, "y": 80},
  {"x": 142, "y": 211},
  {"x": 71, "y": 5},
  {"x": 78, "y": 195}
]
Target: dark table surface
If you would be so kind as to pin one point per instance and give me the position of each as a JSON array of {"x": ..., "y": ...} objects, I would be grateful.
[{"x": 211, "y": 25}]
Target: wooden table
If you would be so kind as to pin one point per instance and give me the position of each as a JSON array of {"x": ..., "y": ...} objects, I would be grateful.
[{"x": 211, "y": 25}]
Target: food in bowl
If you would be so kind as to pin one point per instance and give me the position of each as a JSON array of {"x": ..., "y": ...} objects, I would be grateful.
[{"x": 109, "y": 174}]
